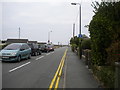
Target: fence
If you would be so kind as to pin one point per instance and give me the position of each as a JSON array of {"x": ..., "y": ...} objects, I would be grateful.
[{"x": 109, "y": 76}]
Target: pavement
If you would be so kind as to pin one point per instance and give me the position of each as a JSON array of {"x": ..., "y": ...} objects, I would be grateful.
[
  {"x": 76, "y": 73},
  {"x": 39, "y": 71}
]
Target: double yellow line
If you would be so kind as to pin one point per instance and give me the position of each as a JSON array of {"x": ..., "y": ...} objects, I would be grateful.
[{"x": 56, "y": 79}]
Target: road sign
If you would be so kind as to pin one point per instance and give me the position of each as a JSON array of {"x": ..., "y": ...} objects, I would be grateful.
[{"x": 80, "y": 35}]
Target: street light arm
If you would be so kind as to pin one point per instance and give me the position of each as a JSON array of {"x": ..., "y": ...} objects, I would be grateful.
[{"x": 75, "y": 4}]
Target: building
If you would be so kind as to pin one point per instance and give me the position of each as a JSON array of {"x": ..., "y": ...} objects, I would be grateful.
[
  {"x": 41, "y": 43},
  {"x": 32, "y": 41},
  {"x": 16, "y": 41}
]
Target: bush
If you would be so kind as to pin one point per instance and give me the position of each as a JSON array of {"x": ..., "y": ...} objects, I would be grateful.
[
  {"x": 113, "y": 53},
  {"x": 86, "y": 44},
  {"x": 73, "y": 47},
  {"x": 105, "y": 75}
]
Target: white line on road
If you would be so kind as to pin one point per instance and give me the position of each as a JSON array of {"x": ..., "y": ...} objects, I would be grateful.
[
  {"x": 19, "y": 67},
  {"x": 48, "y": 54},
  {"x": 39, "y": 57},
  {"x": 52, "y": 52}
]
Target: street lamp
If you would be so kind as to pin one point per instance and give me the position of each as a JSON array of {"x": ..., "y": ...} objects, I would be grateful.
[
  {"x": 49, "y": 37},
  {"x": 19, "y": 32},
  {"x": 80, "y": 51}
]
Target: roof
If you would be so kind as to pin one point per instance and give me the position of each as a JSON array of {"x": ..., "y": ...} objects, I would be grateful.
[
  {"x": 17, "y": 41},
  {"x": 32, "y": 41},
  {"x": 42, "y": 43}
]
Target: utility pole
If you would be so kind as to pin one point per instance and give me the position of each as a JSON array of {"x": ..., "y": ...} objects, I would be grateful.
[
  {"x": 73, "y": 30},
  {"x": 80, "y": 36},
  {"x": 80, "y": 40},
  {"x": 19, "y": 32},
  {"x": 49, "y": 37}
]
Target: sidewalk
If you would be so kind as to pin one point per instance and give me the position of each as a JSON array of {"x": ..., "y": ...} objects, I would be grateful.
[{"x": 77, "y": 74}]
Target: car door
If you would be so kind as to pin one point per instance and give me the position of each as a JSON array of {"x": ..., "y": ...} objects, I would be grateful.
[
  {"x": 23, "y": 51},
  {"x": 27, "y": 50}
]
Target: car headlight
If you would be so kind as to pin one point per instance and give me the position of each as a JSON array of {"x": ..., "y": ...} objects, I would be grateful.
[{"x": 13, "y": 54}]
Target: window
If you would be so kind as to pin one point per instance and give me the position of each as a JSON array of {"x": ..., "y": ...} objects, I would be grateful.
[{"x": 12, "y": 47}]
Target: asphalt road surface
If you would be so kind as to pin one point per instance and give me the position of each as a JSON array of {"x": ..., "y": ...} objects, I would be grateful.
[{"x": 39, "y": 71}]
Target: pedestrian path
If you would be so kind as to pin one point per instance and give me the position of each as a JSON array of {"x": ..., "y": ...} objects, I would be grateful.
[{"x": 76, "y": 73}]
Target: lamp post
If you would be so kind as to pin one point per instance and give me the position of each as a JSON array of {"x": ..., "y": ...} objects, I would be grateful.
[
  {"x": 80, "y": 49},
  {"x": 19, "y": 32},
  {"x": 49, "y": 37}
]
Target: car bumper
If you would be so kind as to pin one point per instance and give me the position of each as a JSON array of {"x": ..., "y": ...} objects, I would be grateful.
[{"x": 8, "y": 58}]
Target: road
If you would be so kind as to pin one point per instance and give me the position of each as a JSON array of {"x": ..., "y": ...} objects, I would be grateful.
[
  {"x": 39, "y": 71},
  {"x": 34, "y": 73}
]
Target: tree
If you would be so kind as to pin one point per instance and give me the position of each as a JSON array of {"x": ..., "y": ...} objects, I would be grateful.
[{"x": 104, "y": 30}]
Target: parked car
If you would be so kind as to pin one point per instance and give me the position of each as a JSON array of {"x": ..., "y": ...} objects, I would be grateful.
[
  {"x": 40, "y": 47},
  {"x": 44, "y": 48},
  {"x": 47, "y": 48},
  {"x": 51, "y": 47},
  {"x": 35, "y": 49},
  {"x": 15, "y": 52}
]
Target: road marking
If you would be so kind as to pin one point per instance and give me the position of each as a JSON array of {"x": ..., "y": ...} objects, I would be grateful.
[
  {"x": 58, "y": 73},
  {"x": 19, "y": 67},
  {"x": 65, "y": 73},
  {"x": 48, "y": 54},
  {"x": 39, "y": 58},
  {"x": 52, "y": 52}
]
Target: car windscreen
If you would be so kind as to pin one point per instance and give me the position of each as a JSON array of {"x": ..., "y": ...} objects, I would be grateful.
[
  {"x": 12, "y": 47},
  {"x": 30, "y": 45}
]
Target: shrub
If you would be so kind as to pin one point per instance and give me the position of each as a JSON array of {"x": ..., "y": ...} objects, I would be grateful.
[
  {"x": 113, "y": 53},
  {"x": 73, "y": 47},
  {"x": 86, "y": 44},
  {"x": 105, "y": 75}
]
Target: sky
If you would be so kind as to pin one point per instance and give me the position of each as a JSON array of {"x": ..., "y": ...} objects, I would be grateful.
[{"x": 36, "y": 18}]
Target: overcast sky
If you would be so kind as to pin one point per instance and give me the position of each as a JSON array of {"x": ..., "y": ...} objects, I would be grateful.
[{"x": 37, "y": 18}]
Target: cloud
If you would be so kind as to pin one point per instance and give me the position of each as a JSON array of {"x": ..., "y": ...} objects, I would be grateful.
[{"x": 37, "y": 19}]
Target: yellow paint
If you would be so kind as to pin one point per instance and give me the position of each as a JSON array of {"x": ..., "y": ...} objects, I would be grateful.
[{"x": 58, "y": 73}]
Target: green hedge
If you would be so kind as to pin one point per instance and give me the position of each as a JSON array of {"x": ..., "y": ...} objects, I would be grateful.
[
  {"x": 86, "y": 44},
  {"x": 73, "y": 47},
  {"x": 3, "y": 46},
  {"x": 105, "y": 74}
]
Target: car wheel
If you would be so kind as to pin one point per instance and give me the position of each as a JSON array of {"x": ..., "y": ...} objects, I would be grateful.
[
  {"x": 35, "y": 53},
  {"x": 39, "y": 53},
  {"x": 29, "y": 57},
  {"x": 46, "y": 51},
  {"x": 19, "y": 59}
]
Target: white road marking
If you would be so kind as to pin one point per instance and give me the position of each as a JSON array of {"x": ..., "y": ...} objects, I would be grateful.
[
  {"x": 19, "y": 67},
  {"x": 39, "y": 57},
  {"x": 52, "y": 52},
  {"x": 48, "y": 54}
]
